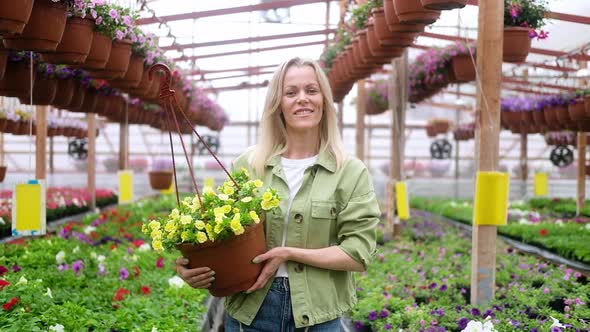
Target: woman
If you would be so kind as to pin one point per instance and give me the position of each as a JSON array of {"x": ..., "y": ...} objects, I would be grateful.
[{"x": 326, "y": 226}]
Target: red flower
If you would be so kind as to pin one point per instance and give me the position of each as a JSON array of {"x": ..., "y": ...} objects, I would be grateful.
[
  {"x": 160, "y": 263},
  {"x": 3, "y": 283},
  {"x": 3, "y": 269},
  {"x": 543, "y": 232},
  {"x": 9, "y": 305},
  {"x": 146, "y": 290},
  {"x": 121, "y": 293},
  {"x": 114, "y": 246},
  {"x": 138, "y": 243},
  {"x": 136, "y": 271}
]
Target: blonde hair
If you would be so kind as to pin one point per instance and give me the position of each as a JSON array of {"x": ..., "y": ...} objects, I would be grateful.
[{"x": 273, "y": 133}]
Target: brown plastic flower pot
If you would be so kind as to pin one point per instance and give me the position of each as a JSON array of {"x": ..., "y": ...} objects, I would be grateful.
[
  {"x": 3, "y": 61},
  {"x": 65, "y": 93},
  {"x": 102, "y": 105},
  {"x": 412, "y": 11},
  {"x": 577, "y": 111},
  {"x": 517, "y": 44},
  {"x": 160, "y": 180},
  {"x": 133, "y": 76},
  {"x": 118, "y": 62},
  {"x": 44, "y": 29},
  {"x": 75, "y": 43},
  {"x": 44, "y": 91},
  {"x": 463, "y": 68},
  {"x": 99, "y": 53},
  {"x": 239, "y": 250},
  {"x": 2, "y": 173},
  {"x": 88, "y": 104},
  {"x": 587, "y": 105},
  {"x": 443, "y": 4},
  {"x": 16, "y": 81},
  {"x": 393, "y": 21},
  {"x": 14, "y": 15},
  {"x": 78, "y": 97},
  {"x": 387, "y": 37}
]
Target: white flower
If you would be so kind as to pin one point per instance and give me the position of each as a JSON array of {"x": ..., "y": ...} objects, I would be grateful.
[
  {"x": 100, "y": 258},
  {"x": 144, "y": 247},
  {"x": 176, "y": 281},
  {"x": 155, "y": 329},
  {"x": 22, "y": 281},
  {"x": 60, "y": 257},
  {"x": 475, "y": 326},
  {"x": 89, "y": 229},
  {"x": 57, "y": 328},
  {"x": 587, "y": 227},
  {"x": 48, "y": 293},
  {"x": 556, "y": 323},
  {"x": 523, "y": 221},
  {"x": 93, "y": 255},
  {"x": 75, "y": 250}
]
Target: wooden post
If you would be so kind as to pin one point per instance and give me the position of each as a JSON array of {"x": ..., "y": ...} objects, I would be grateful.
[
  {"x": 489, "y": 66},
  {"x": 2, "y": 149},
  {"x": 91, "y": 117},
  {"x": 123, "y": 146},
  {"x": 581, "y": 197},
  {"x": 41, "y": 142},
  {"x": 341, "y": 118},
  {"x": 51, "y": 156},
  {"x": 360, "y": 120},
  {"x": 524, "y": 166}
]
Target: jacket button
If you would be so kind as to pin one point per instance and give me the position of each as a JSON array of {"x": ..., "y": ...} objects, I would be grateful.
[
  {"x": 298, "y": 218},
  {"x": 333, "y": 211},
  {"x": 299, "y": 268},
  {"x": 305, "y": 319}
]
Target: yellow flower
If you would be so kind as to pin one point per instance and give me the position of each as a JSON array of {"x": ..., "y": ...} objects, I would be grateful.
[
  {"x": 237, "y": 217},
  {"x": 219, "y": 218},
  {"x": 266, "y": 205},
  {"x": 185, "y": 235},
  {"x": 246, "y": 199},
  {"x": 218, "y": 229},
  {"x": 186, "y": 219},
  {"x": 210, "y": 233},
  {"x": 201, "y": 237},
  {"x": 275, "y": 202},
  {"x": 154, "y": 225},
  {"x": 157, "y": 244},
  {"x": 144, "y": 228},
  {"x": 196, "y": 203},
  {"x": 219, "y": 211},
  {"x": 267, "y": 196},
  {"x": 236, "y": 210},
  {"x": 223, "y": 197},
  {"x": 156, "y": 234},
  {"x": 245, "y": 171},
  {"x": 236, "y": 227},
  {"x": 199, "y": 224},
  {"x": 226, "y": 208},
  {"x": 228, "y": 190},
  {"x": 254, "y": 216},
  {"x": 175, "y": 214},
  {"x": 171, "y": 235},
  {"x": 258, "y": 183},
  {"x": 170, "y": 226}
]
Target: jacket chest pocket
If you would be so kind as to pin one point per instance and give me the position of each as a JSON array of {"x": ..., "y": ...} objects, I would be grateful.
[{"x": 322, "y": 227}]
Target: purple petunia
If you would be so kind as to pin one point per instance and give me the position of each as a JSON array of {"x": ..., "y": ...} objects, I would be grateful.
[
  {"x": 78, "y": 266},
  {"x": 359, "y": 325},
  {"x": 384, "y": 313},
  {"x": 388, "y": 326},
  {"x": 373, "y": 315},
  {"x": 16, "y": 268},
  {"x": 102, "y": 269},
  {"x": 463, "y": 323},
  {"x": 123, "y": 274},
  {"x": 475, "y": 312}
]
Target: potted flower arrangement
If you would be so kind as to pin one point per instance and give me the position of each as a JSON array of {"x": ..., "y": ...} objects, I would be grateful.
[
  {"x": 218, "y": 227},
  {"x": 14, "y": 15},
  {"x": 16, "y": 81},
  {"x": 45, "y": 86},
  {"x": 377, "y": 101},
  {"x": 66, "y": 86},
  {"x": 138, "y": 165},
  {"x": 161, "y": 174},
  {"x": 522, "y": 18}
]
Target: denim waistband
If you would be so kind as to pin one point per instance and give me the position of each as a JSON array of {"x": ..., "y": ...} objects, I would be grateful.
[{"x": 280, "y": 284}]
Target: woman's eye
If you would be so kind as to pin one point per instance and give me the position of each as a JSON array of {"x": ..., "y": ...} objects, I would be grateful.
[
  {"x": 312, "y": 91},
  {"x": 290, "y": 93}
]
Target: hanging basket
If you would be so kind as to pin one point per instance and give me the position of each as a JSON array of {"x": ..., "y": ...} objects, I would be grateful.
[
  {"x": 393, "y": 21},
  {"x": 118, "y": 62},
  {"x": 44, "y": 91},
  {"x": 100, "y": 51},
  {"x": 133, "y": 76},
  {"x": 88, "y": 104},
  {"x": 517, "y": 44},
  {"x": 463, "y": 68},
  {"x": 160, "y": 180},
  {"x": 16, "y": 81},
  {"x": 65, "y": 93},
  {"x": 2, "y": 173},
  {"x": 388, "y": 37},
  {"x": 75, "y": 43},
  {"x": 443, "y": 4},
  {"x": 3, "y": 61},
  {"x": 44, "y": 30},
  {"x": 240, "y": 250},
  {"x": 412, "y": 11},
  {"x": 78, "y": 97},
  {"x": 14, "y": 15}
]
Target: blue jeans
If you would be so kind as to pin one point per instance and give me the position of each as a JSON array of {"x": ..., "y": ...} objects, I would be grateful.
[{"x": 276, "y": 315}]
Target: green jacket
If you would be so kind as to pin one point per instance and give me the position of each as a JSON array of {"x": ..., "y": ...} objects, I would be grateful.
[{"x": 333, "y": 207}]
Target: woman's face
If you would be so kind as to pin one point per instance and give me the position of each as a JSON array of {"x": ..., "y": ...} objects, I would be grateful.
[{"x": 302, "y": 100}]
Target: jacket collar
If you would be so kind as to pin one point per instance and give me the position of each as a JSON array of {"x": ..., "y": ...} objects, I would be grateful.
[{"x": 325, "y": 159}]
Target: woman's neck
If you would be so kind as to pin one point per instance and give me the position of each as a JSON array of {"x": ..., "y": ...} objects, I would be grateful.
[{"x": 302, "y": 145}]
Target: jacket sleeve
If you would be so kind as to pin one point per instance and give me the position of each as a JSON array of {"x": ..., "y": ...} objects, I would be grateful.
[{"x": 357, "y": 221}]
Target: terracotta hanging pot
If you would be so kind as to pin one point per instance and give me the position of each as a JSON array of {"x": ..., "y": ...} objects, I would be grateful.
[
  {"x": 14, "y": 15},
  {"x": 576, "y": 111},
  {"x": 133, "y": 76},
  {"x": 44, "y": 91},
  {"x": 551, "y": 118},
  {"x": 387, "y": 37},
  {"x": 517, "y": 44},
  {"x": 65, "y": 93},
  {"x": 77, "y": 97},
  {"x": 118, "y": 62},
  {"x": 377, "y": 49},
  {"x": 99, "y": 53},
  {"x": 44, "y": 30},
  {"x": 101, "y": 107},
  {"x": 2, "y": 173},
  {"x": 3, "y": 61},
  {"x": 463, "y": 68},
  {"x": 393, "y": 21},
  {"x": 88, "y": 104},
  {"x": 563, "y": 117},
  {"x": 412, "y": 11},
  {"x": 587, "y": 105},
  {"x": 75, "y": 43},
  {"x": 16, "y": 81},
  {"x": 539, "y": 119},
  {"x": 160, "y": 180},
  {"x": 443, "y": 4}
]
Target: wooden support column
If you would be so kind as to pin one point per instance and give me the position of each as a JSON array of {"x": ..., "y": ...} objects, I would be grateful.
[
  {"x": 360, "y": 120},
  {"x": 123, "y": 143},
  {"x": 91, "y": 117},
  {"x": 489, "y": 66},
  {"x": 41, "y": 142},
  {"x": 2, "y": 149},
  {"x": 51, "y": 156},
  {"x": 581, "y": 197},
  {"x": 524, "y": 163},
  {"x": 341, "y": 118}
]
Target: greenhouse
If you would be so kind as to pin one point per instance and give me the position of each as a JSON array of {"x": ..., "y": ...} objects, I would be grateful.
[{"x": 282, "y": 165}]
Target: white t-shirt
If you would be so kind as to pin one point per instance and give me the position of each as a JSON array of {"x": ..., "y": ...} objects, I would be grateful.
[{"x": 294, "y": 170}]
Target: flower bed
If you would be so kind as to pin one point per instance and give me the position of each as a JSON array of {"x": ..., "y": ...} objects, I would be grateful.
[
  {"x": 552, "y": 227},
  {"x": 420, "y": 282},
  {"x": 96, "y": 275}
]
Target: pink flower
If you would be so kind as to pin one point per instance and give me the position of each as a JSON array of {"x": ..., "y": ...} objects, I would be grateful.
[
  {"x": 98, "y": 20},
  {"x": 94, "y": 13},
  {"x": 127, "y": 20},
  {"x": 120, "y": 34},
  {"x": 515, "y": 11},
  {"x": 114, "y": 14},
  {"x": 546, "y": 290}
]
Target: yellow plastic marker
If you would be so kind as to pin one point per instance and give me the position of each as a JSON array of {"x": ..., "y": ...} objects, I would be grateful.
[
  {"x": 125, "y": 186},
  {"x": 491, "y": 198},
  {"x": 28, "y": 212},
  {"x": 401, "y": 200},
  {"x": 541, "y": 184}
]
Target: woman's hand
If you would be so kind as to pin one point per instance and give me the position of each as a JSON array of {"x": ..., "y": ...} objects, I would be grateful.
[
  {"x": 272, "y": 258},
  {"x": 199, "y": 277}
]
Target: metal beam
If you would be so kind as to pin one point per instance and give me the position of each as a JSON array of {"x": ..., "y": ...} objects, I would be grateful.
[
  {"x": 541, "y": 85},
  {"x": 180, "y": 47},
  {"x": 248, "y": 69},
  {"x": 248, "y": 51},
  {"x": 242, "y": 86},
  {"x": 226, "y": 11},
  {"x": 235, "y": 76}
]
